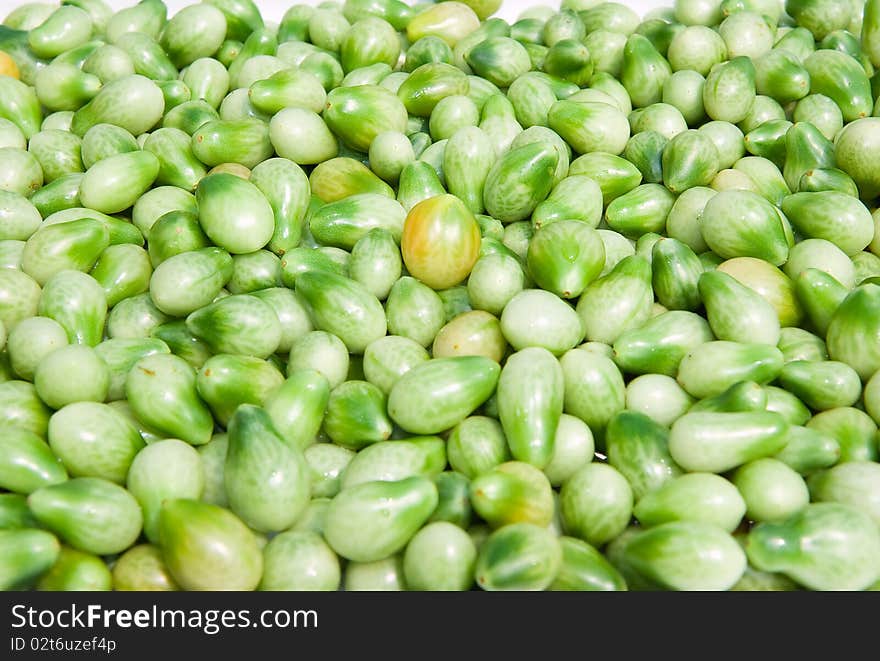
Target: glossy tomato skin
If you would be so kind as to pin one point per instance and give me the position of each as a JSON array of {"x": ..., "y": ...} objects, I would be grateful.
[{"x": 441, "y": 241}]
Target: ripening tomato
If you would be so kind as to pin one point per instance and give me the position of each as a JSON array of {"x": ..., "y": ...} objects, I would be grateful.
[
  {"x": 8, "y": 67},
  {"x": 441, "y": 241}
]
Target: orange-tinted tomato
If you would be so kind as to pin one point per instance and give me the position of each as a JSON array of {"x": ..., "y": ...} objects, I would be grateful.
[
  {"x": 8, "y": 67},
  {"x": 441, "y": 241}
]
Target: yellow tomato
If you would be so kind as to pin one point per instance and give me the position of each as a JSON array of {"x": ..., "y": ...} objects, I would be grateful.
[
  {"x": 483, "y": 8},
  {"x": 232, "y": 168},
  {"x": 441, "y": 241},
  {"x": 474, "y": 333},
  {"x": 8, "y": 67},
  {"x": 451, "y": 21}
]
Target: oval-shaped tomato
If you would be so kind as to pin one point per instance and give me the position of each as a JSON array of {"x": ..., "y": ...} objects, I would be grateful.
[{"x": 441, "y": 241}]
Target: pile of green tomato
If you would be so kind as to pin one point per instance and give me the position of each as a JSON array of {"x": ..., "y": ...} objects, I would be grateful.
[{"x": 410, "y": 297}]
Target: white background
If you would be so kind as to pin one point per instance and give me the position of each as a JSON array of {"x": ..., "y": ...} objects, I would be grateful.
[{"x": 273, "y": 10}]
